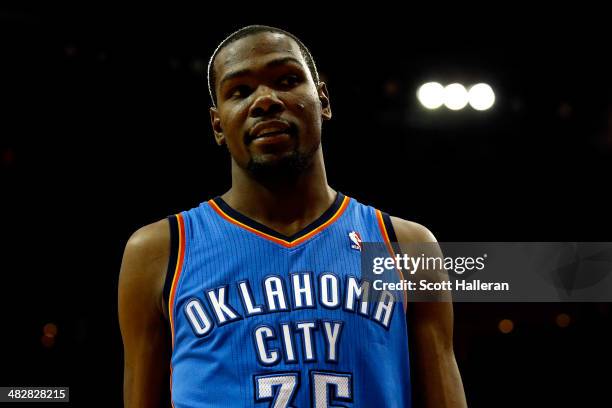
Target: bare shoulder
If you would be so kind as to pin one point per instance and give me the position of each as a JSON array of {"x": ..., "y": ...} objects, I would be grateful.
[
  {"x": 144, "y": 264},
  {"x": 436, "y": 376},
  {"x": 142, "y": 320},
  {"x": 411, "y": 232},
  {"x": 150, "y": 239},
  {"x": 416, "y": 239}
]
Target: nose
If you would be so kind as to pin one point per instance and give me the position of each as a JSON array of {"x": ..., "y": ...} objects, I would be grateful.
[{"x": 266, "y": 104}]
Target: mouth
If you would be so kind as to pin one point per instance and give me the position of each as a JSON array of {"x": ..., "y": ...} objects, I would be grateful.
[
  {"x": 270, "y": 132},
  {"x": 271, "y": 139}
]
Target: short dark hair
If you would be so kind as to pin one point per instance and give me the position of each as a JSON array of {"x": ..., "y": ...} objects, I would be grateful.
[{"x": 245, "y": 32}]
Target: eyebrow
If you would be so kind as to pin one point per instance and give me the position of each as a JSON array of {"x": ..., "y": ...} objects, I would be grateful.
[{"x": 272, "y": 64}]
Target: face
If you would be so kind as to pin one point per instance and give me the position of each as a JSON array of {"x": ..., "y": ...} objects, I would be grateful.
[{"x": 269, "y": 110}]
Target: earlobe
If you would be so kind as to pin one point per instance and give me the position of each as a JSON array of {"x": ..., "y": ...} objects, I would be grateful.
[
  {"x": 326, "y": 112},
  {"x": 216, "y": 126}
]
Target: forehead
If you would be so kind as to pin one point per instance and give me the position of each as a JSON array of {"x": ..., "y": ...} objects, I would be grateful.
[{"x": 254, "y": 50}]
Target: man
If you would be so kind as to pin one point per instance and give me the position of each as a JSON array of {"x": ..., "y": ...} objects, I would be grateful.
[{"x": 254, "y": 298}]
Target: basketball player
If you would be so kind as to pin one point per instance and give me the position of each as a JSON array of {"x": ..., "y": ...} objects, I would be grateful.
[{"x": 254, "y": 298}]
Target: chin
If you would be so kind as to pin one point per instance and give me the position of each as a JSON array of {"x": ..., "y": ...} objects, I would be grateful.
[{"x": 283, "y": 165}]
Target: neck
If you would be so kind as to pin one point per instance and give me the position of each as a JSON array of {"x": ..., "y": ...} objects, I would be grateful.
[{"x": 286, "y": 206}]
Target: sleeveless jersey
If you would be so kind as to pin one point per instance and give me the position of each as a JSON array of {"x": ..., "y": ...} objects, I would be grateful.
[{"x": 259, "y": 319}]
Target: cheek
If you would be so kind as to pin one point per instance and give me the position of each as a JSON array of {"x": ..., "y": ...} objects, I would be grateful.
[
  {"x": 312, "y": 112},
  {"x": 232, "y": 120},
  {"x": 304, "y": 99},
  {"x": 308, "y": 108}
]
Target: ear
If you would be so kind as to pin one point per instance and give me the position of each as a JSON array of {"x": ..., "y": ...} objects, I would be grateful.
[
  {"x": 324, "y": 98},
  {"x": 215, "y": 121}
]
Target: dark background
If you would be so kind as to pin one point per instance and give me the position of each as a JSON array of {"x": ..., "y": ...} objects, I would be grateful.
[{"x": 104, "y": 128}]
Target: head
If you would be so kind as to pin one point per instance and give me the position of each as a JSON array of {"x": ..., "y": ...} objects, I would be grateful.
[{"x": 268, "y": 102}]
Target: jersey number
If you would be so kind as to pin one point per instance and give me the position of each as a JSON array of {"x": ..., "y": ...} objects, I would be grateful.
[{"x": 280, "y": 388}]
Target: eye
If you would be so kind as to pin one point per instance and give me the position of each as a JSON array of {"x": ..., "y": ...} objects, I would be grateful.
[
  {"x": 241, "y": 91},
  {"x": 289, "y": 81}
]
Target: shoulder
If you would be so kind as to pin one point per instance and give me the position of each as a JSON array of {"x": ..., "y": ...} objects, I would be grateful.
[
  {"x": 150, "y": 239},
  {"x": 148, "y": 247},
  {"x": 411, "y": 232},
  {"x": 150, "y": 236},
  {"x": 143, "y": 324},
  {"x": 145, "y": 262}
]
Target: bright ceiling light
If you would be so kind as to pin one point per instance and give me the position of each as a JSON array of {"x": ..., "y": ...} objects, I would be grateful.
[
  {"x": 481, "y": 97},
  {"x": 455, "y": 96},
  {"x": 431, "y": 95}
]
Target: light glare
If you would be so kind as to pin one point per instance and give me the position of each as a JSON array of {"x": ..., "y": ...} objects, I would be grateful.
[
  {"x": 481, "y": 97},
  {"x": 431, "y": 95},
  {"x": 455, "y": 96}
]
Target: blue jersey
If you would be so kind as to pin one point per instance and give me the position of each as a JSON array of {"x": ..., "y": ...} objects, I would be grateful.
[{"x": 259, "y": 319}]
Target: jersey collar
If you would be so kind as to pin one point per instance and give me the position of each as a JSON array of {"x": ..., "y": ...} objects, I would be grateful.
[{"x": 326, "y": 219}]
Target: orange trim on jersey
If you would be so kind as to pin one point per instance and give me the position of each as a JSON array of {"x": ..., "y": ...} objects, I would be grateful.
[
  {"x": 286, "y": 244},
  {"x": 175, "y": 280},
  {"x": 385, "y": 234},
  {"x": 177, "y": 271}
]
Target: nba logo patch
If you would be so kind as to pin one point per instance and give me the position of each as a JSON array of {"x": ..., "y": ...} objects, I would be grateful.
[{"x": 355, "y": 240}]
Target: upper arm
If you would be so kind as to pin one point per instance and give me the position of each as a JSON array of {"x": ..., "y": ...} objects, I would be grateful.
[
  {"x": 144, "y": 329},
  {"x": 437, "y": 379},
  {"x": 437, "y": 316}
]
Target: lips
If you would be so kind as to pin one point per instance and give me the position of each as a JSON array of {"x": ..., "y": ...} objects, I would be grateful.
[{"x": 268, "y": 128}]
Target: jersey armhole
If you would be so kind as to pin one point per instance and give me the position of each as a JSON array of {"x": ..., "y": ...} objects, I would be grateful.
[
  {"x": 172, "y": 259},
  {"x": 398, "y": 250},
  {"x": 389, "y": 227},
  {"x": 391, "y": 233},
  {"x": 390, "y": 238}
]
